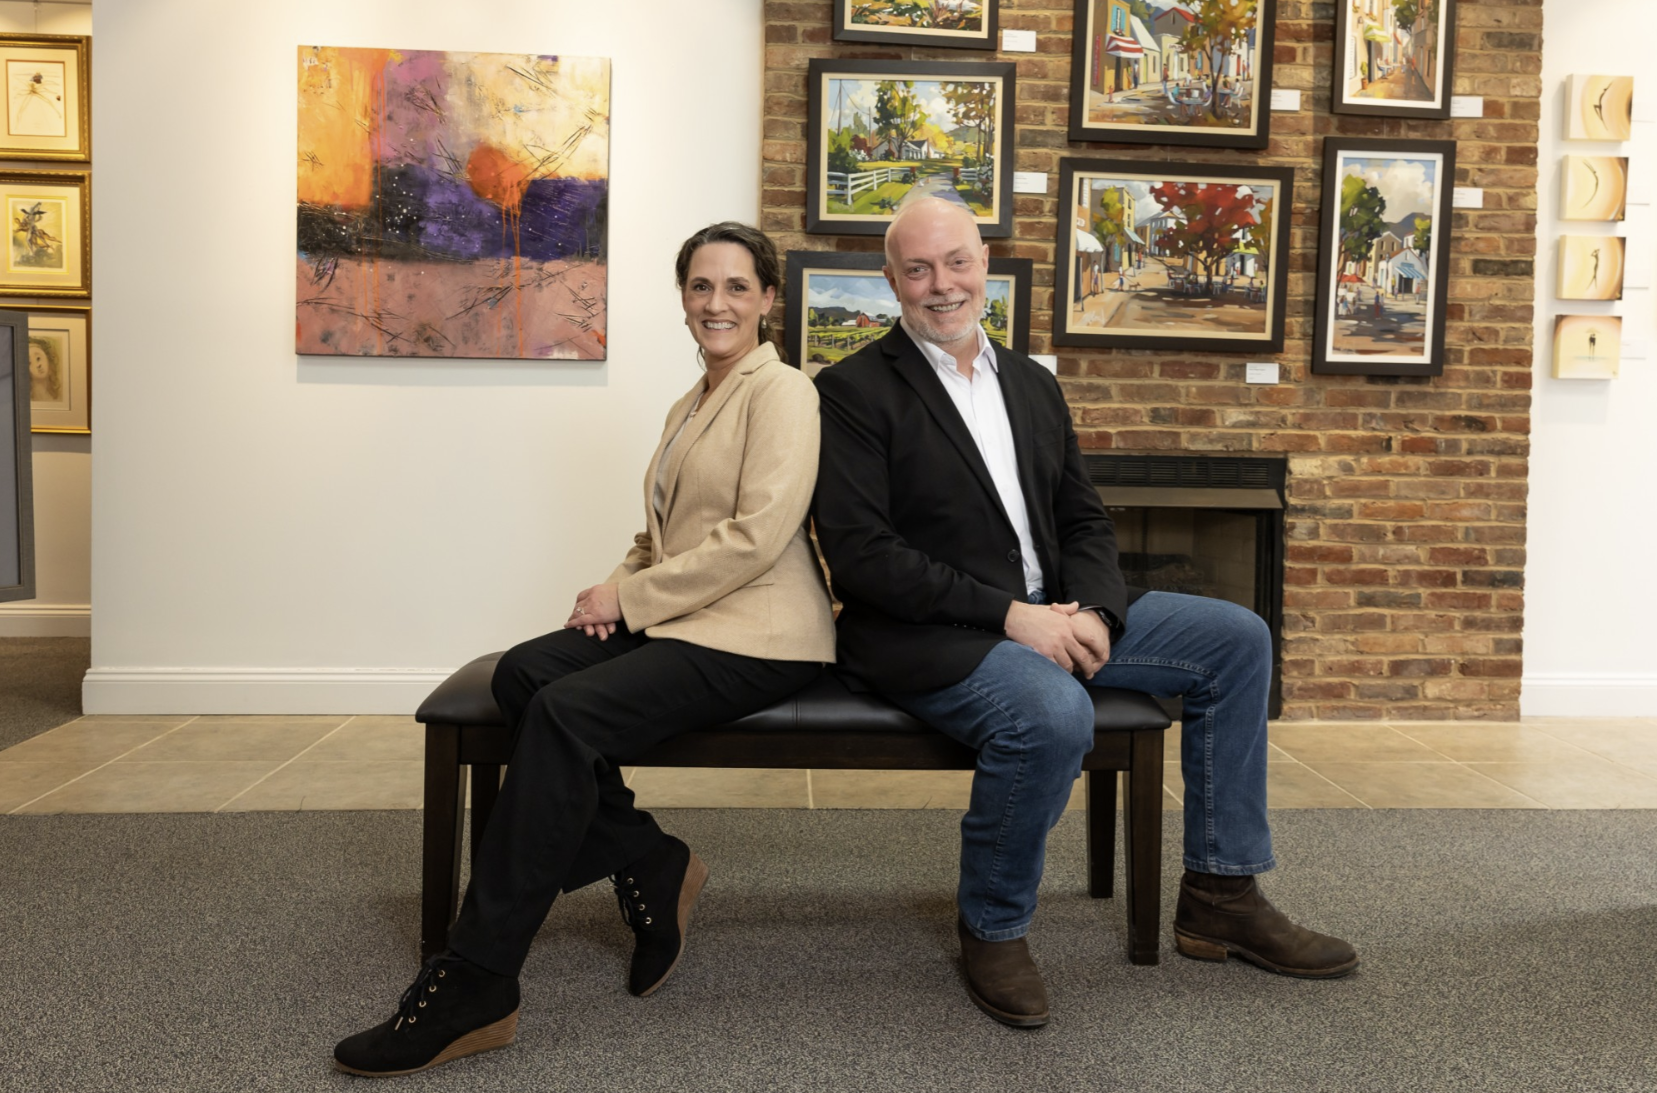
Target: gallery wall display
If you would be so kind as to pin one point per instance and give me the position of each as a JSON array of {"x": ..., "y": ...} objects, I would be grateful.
[
  {"x": 452, "y": 204},
  {"x": 17, "y": 532},
  {"x": 1394, "y": 58},
  {"x": 60, "y": 369},
  {"x": 1591, "y": 267},
  {"x": 50, "y": 252},
  {"x": 839, "y": 301},
  {"x": 48, "y": 97},
  {"x": 1383, "y": 256},
  {"x": 1193, "y": 72},
  {"x": 1586, "y": 347},
  {"x": 881, "y": 131},
  {"x": 1171, "y": 255},
  {"x": 1593, "y": 188},
  {"x": 1599, "y": 107},
  {"x": 955, "y": 24}
]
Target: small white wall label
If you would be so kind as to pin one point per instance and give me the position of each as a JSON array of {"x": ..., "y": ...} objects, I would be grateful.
[{"x": 1261, "y": 372}]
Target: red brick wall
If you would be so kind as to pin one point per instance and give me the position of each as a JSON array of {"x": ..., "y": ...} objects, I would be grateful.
[{"x": 1404, "y": 585}]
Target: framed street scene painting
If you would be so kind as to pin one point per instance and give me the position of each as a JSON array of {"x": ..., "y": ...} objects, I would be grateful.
[
  {"x": 48, "y": 96},
  {"x": 955, "y": 24},
  {"x": 1394, "y": 58},
  {"x": 1171, "y": 255},
  {"x": 50, "y": 249},
  {"x": 60, "y": 369},
  {"x": 1182, "y": 72},
  {"x": 1383, "y": 256},
  {"x": 882, "y": 131},
  {"x": 839, "y": 301}
]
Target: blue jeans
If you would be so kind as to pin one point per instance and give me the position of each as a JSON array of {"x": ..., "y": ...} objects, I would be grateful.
[{"x": 1031, "y": 722}]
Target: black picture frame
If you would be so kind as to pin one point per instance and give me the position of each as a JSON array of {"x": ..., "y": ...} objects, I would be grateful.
[
  {"x": 827, "y": 213},
  {"x": 803, "y": 265},
  {"x": 17, "y": 524},
  {"x": 987, "y": 36},
  {"x": 1350, "y": 67},
  {"x": 1158, "y": 286},
  {"x": 1384, "y": 288},
  {"x": 1181, "y": 86}
]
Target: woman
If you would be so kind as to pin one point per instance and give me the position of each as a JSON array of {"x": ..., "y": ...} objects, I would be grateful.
[{"x": 718, "y": 610}]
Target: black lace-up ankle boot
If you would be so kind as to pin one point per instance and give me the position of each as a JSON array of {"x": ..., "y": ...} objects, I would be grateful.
[
  {"x": 453, "y": 1008},
  {"x": 656, "y": 894}
]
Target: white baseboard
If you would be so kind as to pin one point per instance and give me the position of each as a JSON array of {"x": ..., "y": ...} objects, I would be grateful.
[
  {"x": 45, "y": 620},
  {"x": 1573, "y": 694},
  {"x": 258, "y": 690}
]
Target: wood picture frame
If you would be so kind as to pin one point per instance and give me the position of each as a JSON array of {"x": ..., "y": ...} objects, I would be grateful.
[
  {"x": 48, "y": 97},
  {"x": 881, "y": 130},
  {"x": 59, "y": 357},
  {"x": 949, "y": 24},
  {"x": 1413, "y": 67},
  {"x": 1383, "y": 256},
  {"x": 17, "y": 527},
  {"x": 1190, "y": 256},
  {"x": 1199, "y": 73},
  {"x": 851, "y": 286},
  {"x": 49, "y": 252}
]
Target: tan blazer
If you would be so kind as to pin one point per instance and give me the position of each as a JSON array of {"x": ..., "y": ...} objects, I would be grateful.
[{"x": 729, "y": 566}]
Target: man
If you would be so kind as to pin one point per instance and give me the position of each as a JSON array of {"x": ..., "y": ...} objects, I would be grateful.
[{"x": 978, "y": 572}]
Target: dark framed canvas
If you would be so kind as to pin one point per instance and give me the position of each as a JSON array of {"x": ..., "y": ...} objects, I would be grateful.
[
  {"x": 1171, "y": 255},
  {"x": 953, "y": 24},
  {"x": 1383, "y": 256},
  {"x": 1194, "y": 72},
  {"x": 881, "y": 131},
  {"x": 839, "y": 301},
  {"x": 1394, "y": 58},
  {"x": 17, "y": 521}
]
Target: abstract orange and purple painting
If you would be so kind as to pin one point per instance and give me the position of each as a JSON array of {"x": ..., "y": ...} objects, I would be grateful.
[{"x": 452, "y": 204}]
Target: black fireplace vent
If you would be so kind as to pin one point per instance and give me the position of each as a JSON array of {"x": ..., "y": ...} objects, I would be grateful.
[{"x": 1188, "y": 471}]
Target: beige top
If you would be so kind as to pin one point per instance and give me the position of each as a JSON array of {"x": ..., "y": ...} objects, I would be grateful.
[{"x": 727, "y": 565}]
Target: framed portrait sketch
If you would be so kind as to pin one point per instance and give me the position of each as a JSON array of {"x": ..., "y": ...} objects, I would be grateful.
[
  {"x": 839, "y": 301},
  {"x": 1383, "y": 256},
  {"x": 60, "y": 369},
  {"x": 1394, "y": 58},
  {"x": 17, "y": 529},
  {"x": 1171, "y": 255},
  {"x": 48, "y": 96},
  {"x": 49, "y": 252},
  {"x": 881, "y": 131},
  {"x": 954, "y": 24},
  {"x": 1184, "y": 72}
]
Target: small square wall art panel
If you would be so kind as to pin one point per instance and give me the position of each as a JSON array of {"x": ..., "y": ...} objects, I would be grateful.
[
  {"x": 452, "y": 204},
  {"x": 1593, "y": 188},
  {"x": 1599, "y": 107},
  {"x": 1586, "y": 347},
  {"x": 1590, "y": 267}
]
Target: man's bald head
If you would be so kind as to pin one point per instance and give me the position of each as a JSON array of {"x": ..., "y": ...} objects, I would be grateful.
[
  {"x": 937, "y": 265},
  {"x": 929, "y": 214}
]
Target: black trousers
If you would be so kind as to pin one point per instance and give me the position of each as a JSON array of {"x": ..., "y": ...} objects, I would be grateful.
[{"x": 581, "y": 708}]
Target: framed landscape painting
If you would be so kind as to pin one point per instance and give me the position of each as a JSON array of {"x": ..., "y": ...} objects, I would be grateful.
[
  {"x": 883, "y": 131},
  {"x": 955, "y": 24},
  {"x": 50, "y": 249},
  {"x": 1394, "y": 58},
  {"x": 1195, "y": 72},
  {"x": 1383, "y": 256},
  {"x": 1171, "y": 255},
  {"x": 60, "y": 369},
  {"x": 839, "y": 301},
  {"x": 48, "y": 92}
]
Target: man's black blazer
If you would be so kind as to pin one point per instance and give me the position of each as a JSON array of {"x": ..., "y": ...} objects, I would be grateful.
[{"x": 919, "y": 548}]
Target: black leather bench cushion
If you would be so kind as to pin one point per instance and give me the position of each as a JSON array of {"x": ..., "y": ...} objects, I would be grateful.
[{"x": 825, "y": 706}]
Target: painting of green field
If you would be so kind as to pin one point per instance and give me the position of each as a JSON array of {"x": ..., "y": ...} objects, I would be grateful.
[{"x": 846, "y": 311}]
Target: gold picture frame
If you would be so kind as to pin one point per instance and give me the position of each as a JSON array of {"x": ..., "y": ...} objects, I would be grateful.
[
  {"x": 60, "y": 369},
  {"x": 47, "y": 82},
  {"x": 48, "y": 250}
]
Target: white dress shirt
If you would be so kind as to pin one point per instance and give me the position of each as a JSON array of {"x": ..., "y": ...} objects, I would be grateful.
[{"x": 985, "y": 413}]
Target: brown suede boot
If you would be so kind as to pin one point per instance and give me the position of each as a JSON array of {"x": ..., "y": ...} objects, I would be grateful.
[
  {"x": 1003, "y": 980},
  {"x": 1219, "y": 915}
]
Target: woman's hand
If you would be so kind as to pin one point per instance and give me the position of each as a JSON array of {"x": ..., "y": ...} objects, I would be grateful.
[{"x": 597, "y": 610}]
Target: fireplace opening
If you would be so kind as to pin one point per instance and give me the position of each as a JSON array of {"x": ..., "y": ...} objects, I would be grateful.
[{"x": 1204, "y": 526}]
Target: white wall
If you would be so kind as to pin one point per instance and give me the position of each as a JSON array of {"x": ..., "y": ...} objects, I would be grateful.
[
  {"x": 1590, "y": 599},
  {"x": 277, "y": 534},
  {"x": 62, "y": 464}
]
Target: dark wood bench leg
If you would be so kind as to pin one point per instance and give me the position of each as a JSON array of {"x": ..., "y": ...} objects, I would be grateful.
[
  {"x": 1101, "y": 833},
  {"x": 440, "y": 849},
  {"x": 486, "y": 788},
  {"x": 1142, "y": 846}
]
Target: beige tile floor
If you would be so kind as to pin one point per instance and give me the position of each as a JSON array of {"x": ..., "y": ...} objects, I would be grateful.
[{"x": 240, "y": 764}]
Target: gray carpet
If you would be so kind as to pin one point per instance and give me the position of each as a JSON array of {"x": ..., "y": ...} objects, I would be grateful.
[
  {"x": 1502, "y": 951},
  {"x": 40, "y": 684}
]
